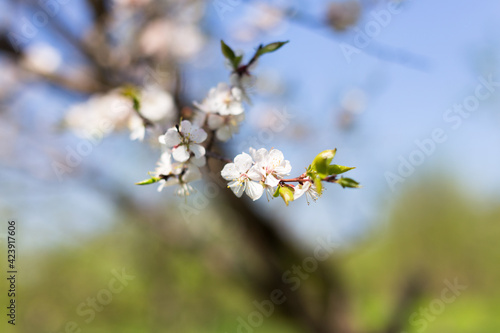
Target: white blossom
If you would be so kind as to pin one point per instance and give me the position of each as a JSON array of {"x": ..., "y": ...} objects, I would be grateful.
[
  {"x": 190, "y": 174},
  {"x": 177, "y": 174},
  {"x": 184, "y": 140},
  {"x": 308, "y": 189},
  {"x": 100, "y": 114},
  {"x": 164, "y": 38},
  {"x": 137, "y": 128},
  {"x": 223, "y": 99},
  {"x": 225, "y": 126},
  {"x": 244, "y": 82},
  {"x": 103, "y": 114},
  {"x": 243, "y": 177},
  {"x": 156, "y": 105},
  {"x": 271, "y": 164},
  {"x": 42, "y": 58}
]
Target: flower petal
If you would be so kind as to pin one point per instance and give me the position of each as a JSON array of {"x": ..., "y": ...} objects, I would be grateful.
[
  {"x": 180, "y": 154},
  {"x": 235, "y": 108},
  {"x": 254, "y": 190},
  {"x": 237, "y": 187},
  {"x": 230, "y": 172},
  {"x": 237, "y": 93},
  {"x": 243, "y": 162},
  {"x": 300, "y": 190},
  {"x": 284, "y": 169},
  {"x": 255, "y": 173},
  {"x": 199, "y": 162},
  {"x": 215, "y": 121},
  {"x": 186, "y": 126},
  {"x": 275, "y": 158},
  {"x": 198, "y": 135},
  {"x": 162, "y": 185},
  {"x": 172, "y": 138},
  {"x": 198, "y": 150},
  {"x": 192, "y": 174},
  {"x": 259, "y": 155},
  {"x": 271, "y": 181},
  {"x": 224, "y": 133}
]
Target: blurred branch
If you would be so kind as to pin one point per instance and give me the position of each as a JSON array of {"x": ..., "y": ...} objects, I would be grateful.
[
  {"x": 57, "y": 26},
  {"x": 407, "y": 300},
  {"x": 100, "y": 9},
  {"x": 6, "y": 46},
  {"x": 85, "y": 86}
]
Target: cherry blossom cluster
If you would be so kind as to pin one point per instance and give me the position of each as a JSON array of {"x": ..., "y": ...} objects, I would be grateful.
[
  {"x": 264, "y": 170},
  {"x": 218, "y": 117},
  {"x": 223, "y": 110},
  {"x": 133, "y": 108},
  {"x": 254, "y": 173},
  {"x": 182, "y": 157}
]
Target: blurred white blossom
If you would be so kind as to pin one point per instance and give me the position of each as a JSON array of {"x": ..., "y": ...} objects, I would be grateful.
[
  {"x": 223, "y": 99},
  {"x": 343, "y": 14},
  {"x": 354, "y": 101},
  {"x": 41, "y": 58},
  {"x": 225, "y": 126},
  {"x": 157, "y": 106},
  {"x": 114, "y": 111},
  {"x": 164, "y": 37},
  {"x": 102, "y": 113}
]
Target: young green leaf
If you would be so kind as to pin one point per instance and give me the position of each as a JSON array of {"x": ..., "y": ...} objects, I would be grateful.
[
  {"x": 322, "y": 161},
  {"x": 133, "y": 94},
  {"x": 270, "y": 48},
  {"x": 227, "y": 51},
  {"x": 152, "y": 180},
  {"x": 319, "y": 185},
  {"x": 277, "y": 193},
  {"x": 335, "y": 169},
  {"x": 236, "y": 61},
  {"x": 348, "y": 182},
  {"x": 230, "y": 55},
  {"x": 286, "y": 194}
]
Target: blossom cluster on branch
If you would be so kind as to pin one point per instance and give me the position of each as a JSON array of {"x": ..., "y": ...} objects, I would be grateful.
[
  {"x": 219, "y": 116},
  {"x": 186, "y": 145}
]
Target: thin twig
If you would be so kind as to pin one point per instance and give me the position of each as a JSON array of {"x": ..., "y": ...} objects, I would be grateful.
[{"x": 216, "y": 156}]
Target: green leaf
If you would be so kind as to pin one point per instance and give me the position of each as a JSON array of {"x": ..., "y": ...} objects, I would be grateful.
[
  {"x": 152, "y": 180},
  {"x": 348, "y": 182},
  {"x": 133, "y": 94},
  {"x": 338, "y": 169},
  {"x": 277, "y": 193},
  {"x": 270, "y": 48},
  {"x": 230, "y": 55},
  {"x": 237, "y": 61},
  {"x": 286, "y": 194},
  {"x": 319, "y": 185},
  {"x": 322, "y": 161}
]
